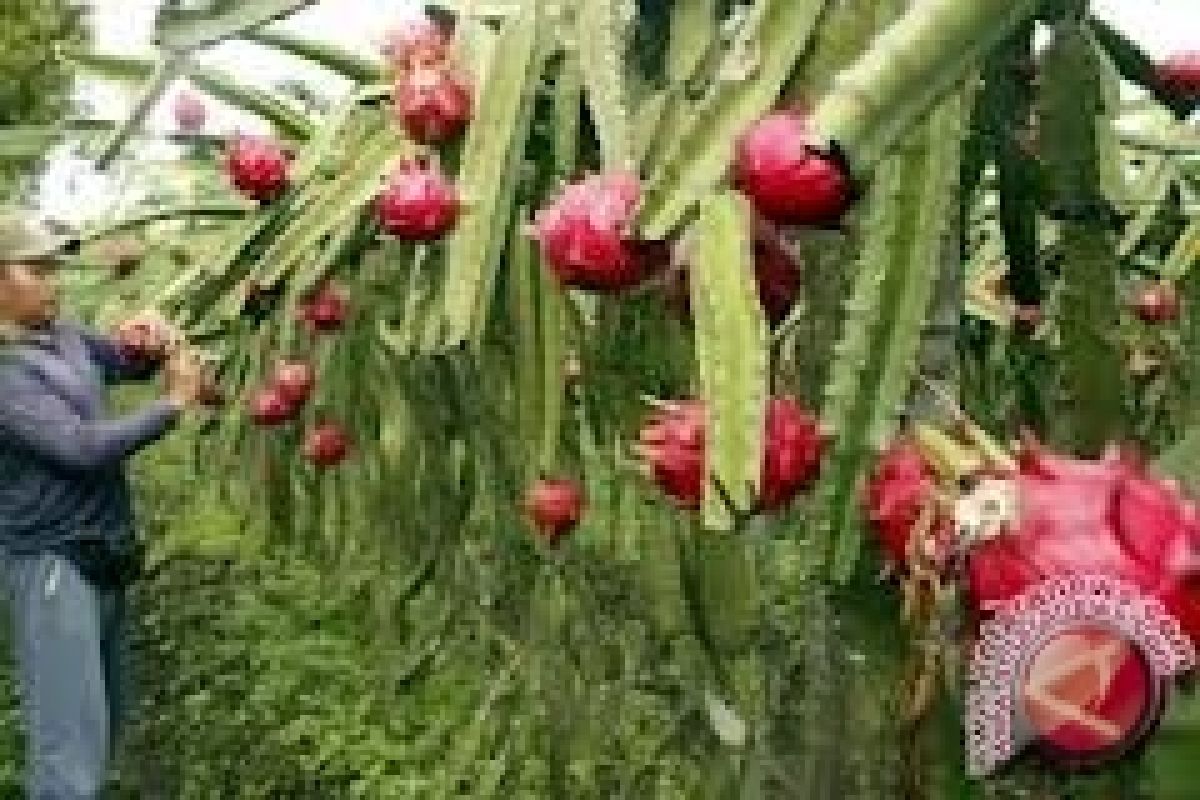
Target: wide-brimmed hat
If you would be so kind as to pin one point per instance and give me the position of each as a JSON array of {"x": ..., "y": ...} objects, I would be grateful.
[{"x": 25, "y": 240}]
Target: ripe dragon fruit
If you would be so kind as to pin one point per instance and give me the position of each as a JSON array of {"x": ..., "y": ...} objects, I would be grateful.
[
  {"x": 326, "y": 445},
  {"x": 258, "y": 167},
  {"x": 586, "y": 237},
  {"x": 294, "y": 381},
  {"x": 673, "y": 445},
  {"x": 901, "y": 485},
  {"x": 1104, "y": 516},
  {"x": 554, "y": 506},
  {"x": 415, "y": 42},
  {"x": 190, "y": 112},
  {"x": 433, "y": 104},
  {"x": 1156, "y": 303},
  {"x": 1180, "y": 75},
  {"x": 419, "y": 204},
  {"x": 326, "y": 310},
  {"x": 268, "y": 408},
  {"x": 790, "y": 182}
]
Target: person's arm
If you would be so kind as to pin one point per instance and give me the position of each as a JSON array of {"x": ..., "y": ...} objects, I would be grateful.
[
  {"x": 105, "y": 353},
  {"x": 42, "y": 424}
]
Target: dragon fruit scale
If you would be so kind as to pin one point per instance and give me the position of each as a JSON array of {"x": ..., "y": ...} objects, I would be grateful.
[
  {"x": 1105, "y": 516},
  {"x": 672, "y": 444}
]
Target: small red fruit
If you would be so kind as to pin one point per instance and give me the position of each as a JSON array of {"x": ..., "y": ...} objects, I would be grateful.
[
  {"x": 258, "y": 167},
  {"x": 294, "y": 381},
  {"x": 1156, "y": 303},
  {"x": 269, "y": 407},
  {"x": 899, "y": 489},
  {"x": 555, "y": 507},
  {"x": 789, "y": 180},
  {"x": 673, "y": 445},
  {"x": 1180, "y": 74},
  {"x": 418, "y": 205},
  {"x": 326, "y": 445},
  {"x": 432, "y": 104},
  {"x": 190, "y": 112},
  {"x": 586, "y": 234},
  {"x": 417, "y": 41},
  {"x": 326, "y": 310}
]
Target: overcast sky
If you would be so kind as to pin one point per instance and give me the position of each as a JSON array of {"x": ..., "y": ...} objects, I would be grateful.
[{"x": 126, "y": 26}]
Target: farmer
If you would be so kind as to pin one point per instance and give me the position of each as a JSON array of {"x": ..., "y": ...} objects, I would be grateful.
[{"x": 67, "y": 545}]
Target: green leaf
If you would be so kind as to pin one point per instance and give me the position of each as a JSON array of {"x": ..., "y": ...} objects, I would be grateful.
[
  {"x": 601, "y": 33},
  {"x": 186, "y": 32},
  {"x": 731, "y": 350},
  {"x": 344, "y": 62}
]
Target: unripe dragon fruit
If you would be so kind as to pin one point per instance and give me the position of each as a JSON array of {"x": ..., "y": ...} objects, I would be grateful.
[
  {"x": 433, "y": 104},
  {"x": 586, "y": 234},
  {"x": 258, "y": 167},
  {"x": 415, "y": 42},
  {"x": 554, "y": 506},
  {"x": 1180, "y": 74},
  {"x": 789, "y": 180},
  {"x": 1156, "y": 303},
  {"x": 673, "y": 445},
  {"x": 419, "y": 204},
  {"x": 901, "y": 486},
  {"x": 1105, "y": 516},
  {"x": 190, "y": 112}
]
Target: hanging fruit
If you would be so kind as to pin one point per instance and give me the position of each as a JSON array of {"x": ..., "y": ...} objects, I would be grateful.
[
  {"x": 554, "y": 506},
  {"x": 1180, "y": 75},
  {"x": 326, "y": 310},
  {"x": 190, "y": 112},
  {"x": 1156, "y": 303},
  {"x": 294, "y": 381},
  {"x": 418, "y": 204},
  {"x": 326, "y": 445},
  {"x": 433, "y": 104},
  {"x": 901, "y": 488},
  {"x": 258, "y": 167},
  {"x": 269, "y": 407}
]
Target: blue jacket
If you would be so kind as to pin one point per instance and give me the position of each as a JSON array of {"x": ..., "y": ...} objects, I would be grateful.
[{"x": 61, "y": 456}]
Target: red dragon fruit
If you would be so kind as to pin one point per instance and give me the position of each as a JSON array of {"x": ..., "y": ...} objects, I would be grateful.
[
  {"x": 418, "y": 204},
  {"x": 294, "y": 381},
  {"x": 190, "y": 112},
  {"x": 433, "y": 104},
  {"x": 1156, "y": 303},
  {"x": 326, "y": 310},
  {"x": 1105, "y": 516},
  {"x": 326, "y": 445},
  {"x": 417, "y": 41},
  {"x": 778, "y": 165},
  {"x": 585, "y": 234},
  {"x": 901, "y": 485},
  {"x": 1180, "y": 74},
  {"x": 673, "y": 444},
  {"x": 269, "y": 407},
  {"x": 258, "y": 167},
  {"x": 554, "y": 506}
]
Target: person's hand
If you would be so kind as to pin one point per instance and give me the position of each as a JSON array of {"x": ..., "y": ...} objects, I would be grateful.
[
  {"x": 187, "y": 381},
  {"x": 148, "y": 335}
]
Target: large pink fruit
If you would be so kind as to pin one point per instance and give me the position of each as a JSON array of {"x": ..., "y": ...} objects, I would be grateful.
[
  {"x": 418, "y": 41},
  {"x": 258, "y": 167},
  {"x": 433, "y": 104},
  {"x": 554, "y": 506},
  {"x": 419, "y": 204},
  {"x": 586, "y": 234},
  {"x": 190, "y": 112},
  {"x": 1180, "y": 74},
  {"x": 673, "y": 444},
  {"x": 788, "y": 179},
  {"x": 327, "y": 445},
  {"x": 1105, "y": 516},
  {"x": 901, "y": 485}
]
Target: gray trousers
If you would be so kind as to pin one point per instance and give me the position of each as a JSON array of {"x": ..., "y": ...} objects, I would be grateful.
[{"x": 70, "y": 643}]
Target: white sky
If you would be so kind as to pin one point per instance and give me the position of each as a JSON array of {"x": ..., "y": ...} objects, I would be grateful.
[{"x": 72, "y": 190}]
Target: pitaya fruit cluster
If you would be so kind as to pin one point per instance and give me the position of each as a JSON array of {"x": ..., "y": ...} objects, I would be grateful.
[
  {"x": 1105, "y": 516},
  {"x": 673, "y": 445},
  {"x": 554, "y": 506},
  {"x": 586, "y": 234},
  {"x": 779, "y": 166},
  {"x": 1180, "y": 75},
  {"x": 258, "y": 167},
  {"x": 776, "y": 272},
  {"x": 325, "y": 310},
  {"x": 901, "y": 486},
  {"x": 190, "y": 112},
  {"x": 418, "y": 204},
  {"x": 1156, "y": 303}
]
